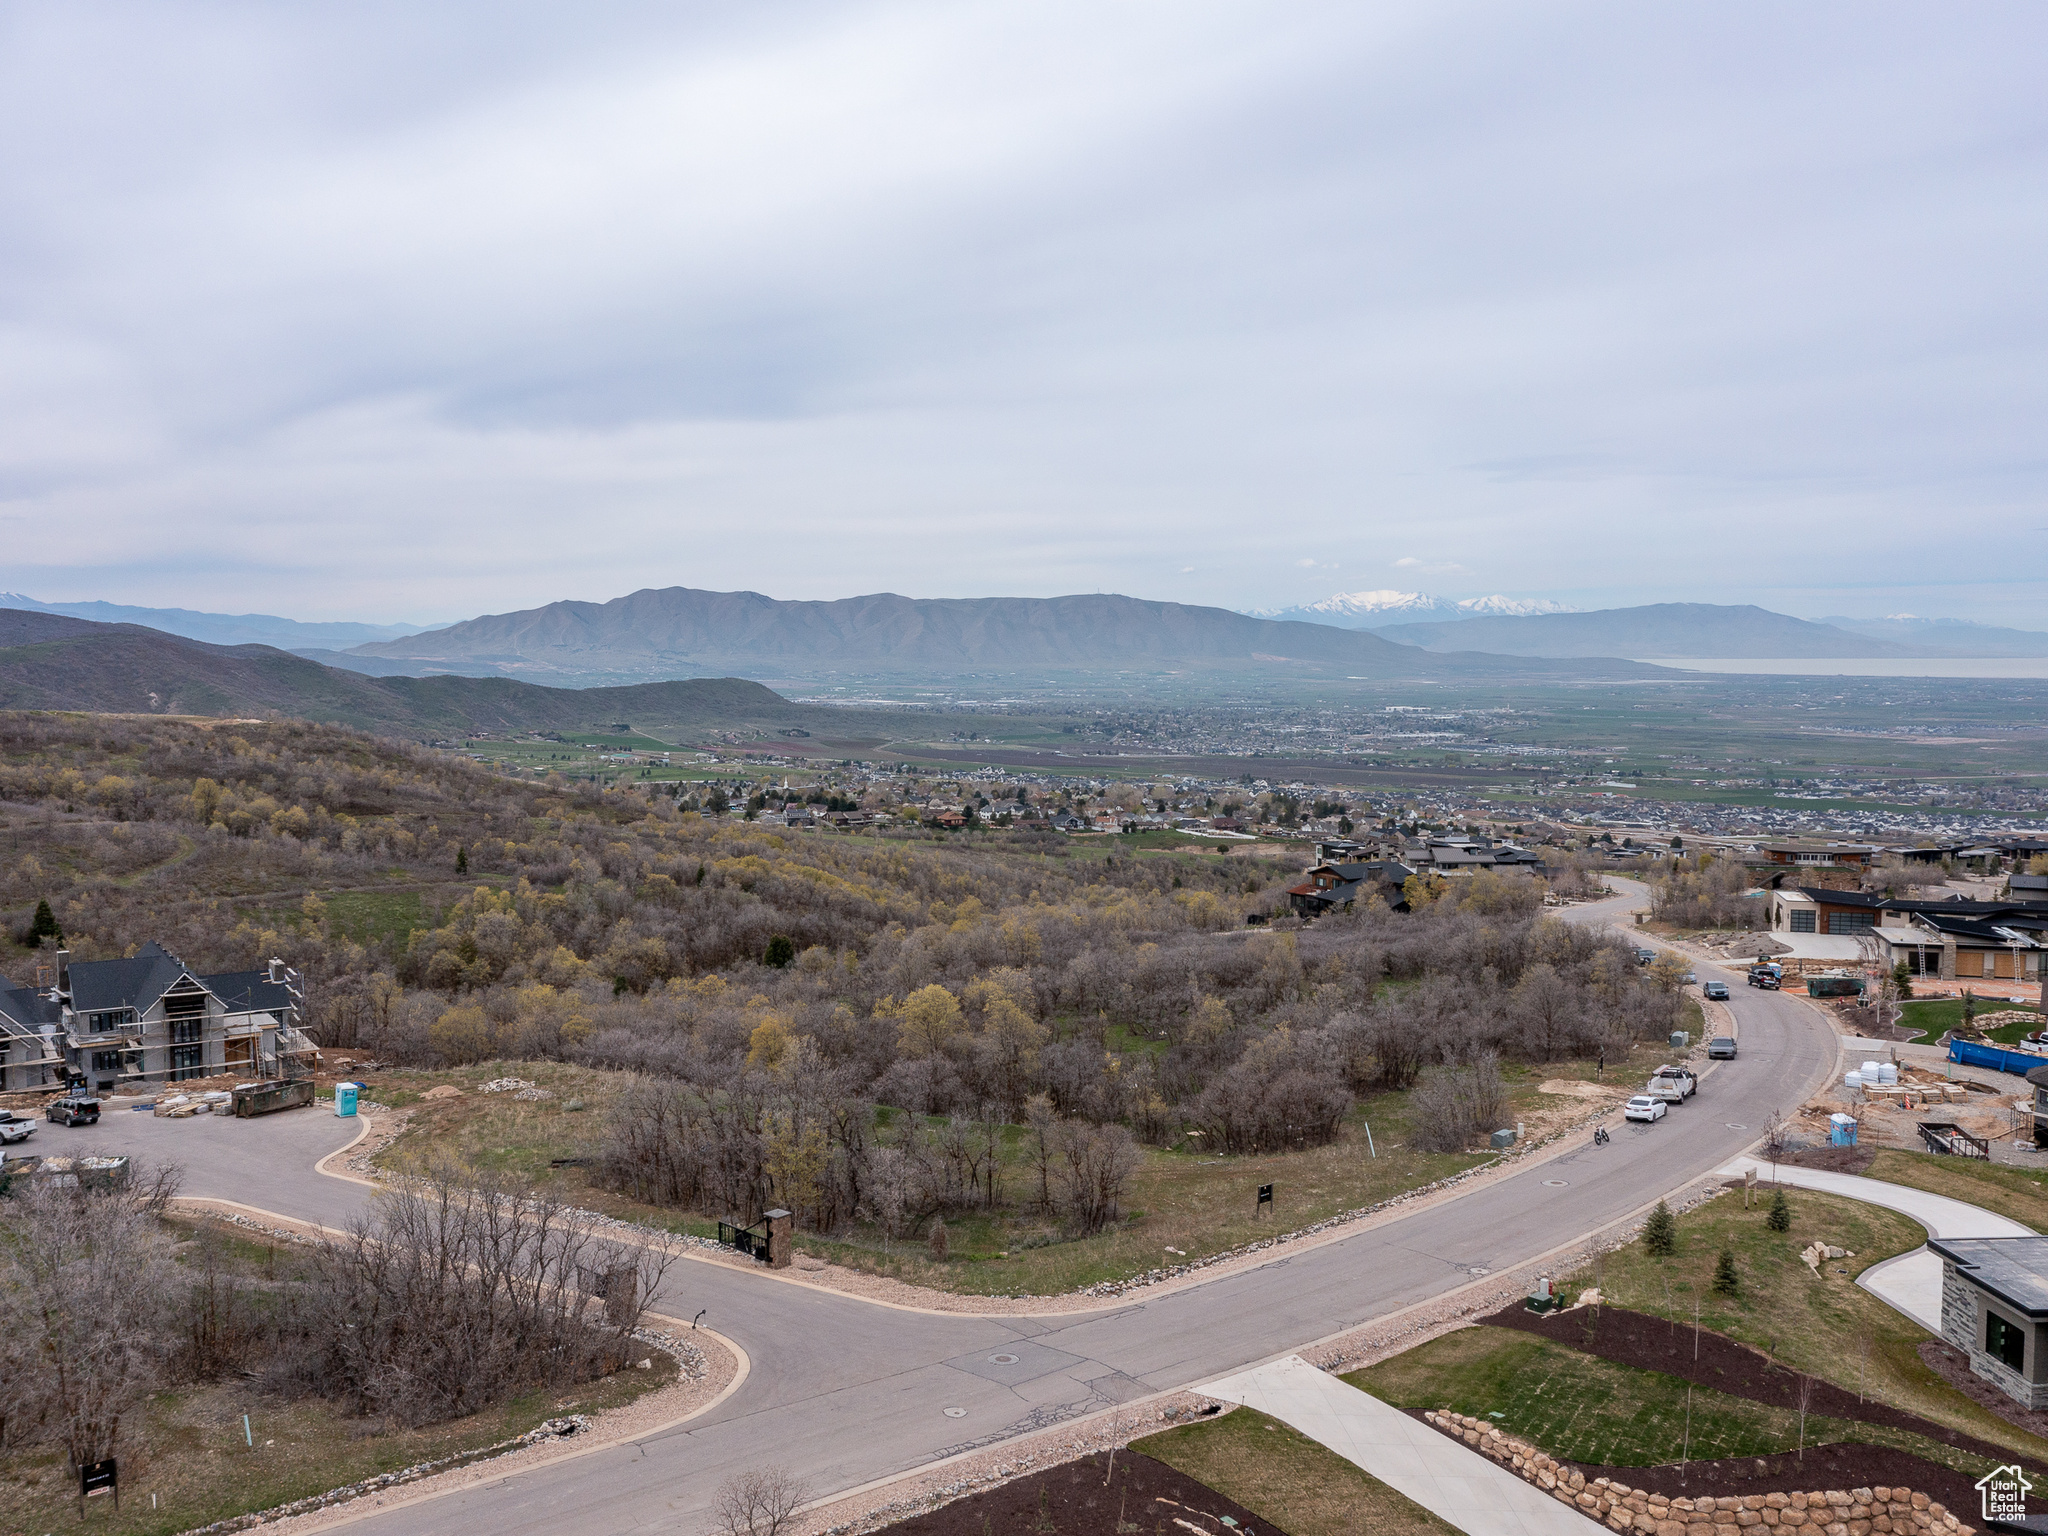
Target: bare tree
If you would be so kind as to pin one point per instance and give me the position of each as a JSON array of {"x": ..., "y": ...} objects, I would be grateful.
[
  {"x": 759, "y": 1501},
  {"x": 1776, "y": 1139}
]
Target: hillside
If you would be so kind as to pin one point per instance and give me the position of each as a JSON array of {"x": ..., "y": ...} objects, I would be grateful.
[
  {"x": 682, "y": 631},
  {"x": 1658, "y": 629},
  {"x": 1947, "y": 637},
  {"x": 51, "y": 662}
]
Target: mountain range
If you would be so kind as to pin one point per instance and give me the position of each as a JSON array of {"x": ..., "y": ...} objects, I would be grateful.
[
  {"x": 1945, "y": 637},
  {"x": 53, "y": 661},
  {"x": 1374, "y": 610},
  {"x": 219, "y": 628},
  {"x": 1657, "y": 629},
  {"x": 682, "y": 631}
]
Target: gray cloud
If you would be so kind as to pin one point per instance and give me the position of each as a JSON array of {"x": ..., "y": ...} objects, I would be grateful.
[{"x": 364, "y": 312}]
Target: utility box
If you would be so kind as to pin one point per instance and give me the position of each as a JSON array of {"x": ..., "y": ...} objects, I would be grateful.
[
  {"x": 1503, "y": 1139},
  {"x": 251, "y": 1099},
  {"x": 344, "y": 1098}
]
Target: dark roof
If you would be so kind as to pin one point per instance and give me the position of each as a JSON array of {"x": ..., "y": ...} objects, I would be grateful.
[
  {"x": 1963, "y": 927},
  {"x": 1843, "y": 898},
  {"x": 2038, "y": 1077},
  {"x": 2014, "y": 1269},
  {"x": 26, "y": 1006},
  {"x": 133, "y": 983},
  {"x": 248, "y": 991}
]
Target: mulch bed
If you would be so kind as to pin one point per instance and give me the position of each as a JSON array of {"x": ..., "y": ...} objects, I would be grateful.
[
  {"x": 1953, "y": 1367},
  {"x": 1131, "y": 1495},
  {"x": 1654, "y": 1344},
  {"x": 1830, "y": 1159},
  {"x": 1845, "y": 1465}
]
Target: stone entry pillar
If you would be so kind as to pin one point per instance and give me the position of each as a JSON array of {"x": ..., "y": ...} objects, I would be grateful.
[{"x": 778, "y": 1239}]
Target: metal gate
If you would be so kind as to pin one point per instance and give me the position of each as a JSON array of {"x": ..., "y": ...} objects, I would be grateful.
[{"x": 745, "y": 1239}]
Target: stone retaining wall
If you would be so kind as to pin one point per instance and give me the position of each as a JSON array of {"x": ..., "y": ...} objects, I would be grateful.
[{"x": 1836, "y": 1512}]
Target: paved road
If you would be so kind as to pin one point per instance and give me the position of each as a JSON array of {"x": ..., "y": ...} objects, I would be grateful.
[{"x": 845, "y": 1391}]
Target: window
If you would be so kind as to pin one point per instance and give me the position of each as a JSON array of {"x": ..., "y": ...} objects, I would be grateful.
[
  {"x": 110, "y": 1018},
  {"x": 1851, "y": 922},
  {"x": 106, "y": 1061},
  {"x": 186, "y": 1062},
  {"x": 1802, "y": 920},
  {"x": 2005, "y": 1342}
]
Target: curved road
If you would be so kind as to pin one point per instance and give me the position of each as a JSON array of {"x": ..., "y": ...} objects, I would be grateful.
[{"x": 845, "y": 1391}]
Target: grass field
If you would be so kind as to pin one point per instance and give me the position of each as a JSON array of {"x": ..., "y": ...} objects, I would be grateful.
[
  {"x": 188, "y": 1462},
  {"x": 1825, "y": 1326},
  {"x": 1583, "y": 1408},
  {"x": 1181, "y": 1200},
  {"x": 1299, "y": 1485}
]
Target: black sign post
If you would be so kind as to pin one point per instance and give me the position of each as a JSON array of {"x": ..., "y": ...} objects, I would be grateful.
[
  {"x": 1265, "y": 1197},
  {"x": 98, "y": 1477}
]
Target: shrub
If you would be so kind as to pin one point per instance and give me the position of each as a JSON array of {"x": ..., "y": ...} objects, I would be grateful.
[
  {"x": 1780, "y": 1217},
  {"x": 1452, "y": 1105},
  {"x": 1660, "y": 1232},
  {"x": 1727, "y": 1282}
]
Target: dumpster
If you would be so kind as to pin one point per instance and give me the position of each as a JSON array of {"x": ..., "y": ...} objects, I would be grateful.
[
  {"x": 344, "y": 1098},
  {"x": 265, "y": 1098},
  {"x": 1966, "y": 1053}
]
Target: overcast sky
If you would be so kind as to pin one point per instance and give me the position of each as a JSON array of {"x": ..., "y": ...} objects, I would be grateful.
[{"x": 419, "y": 311}]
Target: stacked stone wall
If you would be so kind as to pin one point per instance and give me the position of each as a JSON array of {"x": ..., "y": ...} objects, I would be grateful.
[{"x": 1832, "y": 1512}]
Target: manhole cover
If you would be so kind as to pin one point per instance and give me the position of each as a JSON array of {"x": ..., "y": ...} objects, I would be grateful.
[
  {"x": 956, "y": 1413},
  {"x": 1556, "y": 1183},
  {"x": 1002, "y": 1359},
  {"x": 1735, "y": 1125}
]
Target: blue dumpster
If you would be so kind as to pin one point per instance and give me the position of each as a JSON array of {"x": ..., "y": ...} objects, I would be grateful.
[{"x": 344, "y": 1098}]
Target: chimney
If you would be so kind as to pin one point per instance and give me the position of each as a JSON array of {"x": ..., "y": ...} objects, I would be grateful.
[
  {"x": 64, "y": 972},
  {"x": 276, "y": 971}
]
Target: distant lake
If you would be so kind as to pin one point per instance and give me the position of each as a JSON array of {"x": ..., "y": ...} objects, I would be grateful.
[{"x": 1861, "y": 666}]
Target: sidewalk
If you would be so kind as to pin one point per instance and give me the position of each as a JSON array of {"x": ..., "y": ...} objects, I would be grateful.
[
  {"x": 1444, "y": 1477},
  {"x": 1910, "y": 1283}
]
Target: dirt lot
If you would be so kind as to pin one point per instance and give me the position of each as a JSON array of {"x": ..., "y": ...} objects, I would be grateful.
[{"x": 1122, "y": 1493}]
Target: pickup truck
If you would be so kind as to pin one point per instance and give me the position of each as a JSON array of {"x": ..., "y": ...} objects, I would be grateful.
[
  {"x": 15, "y": 1127},
  {"x": 1674, "y": 1085}
]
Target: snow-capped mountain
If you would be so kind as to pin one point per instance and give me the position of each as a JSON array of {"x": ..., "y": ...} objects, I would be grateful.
[{"x": 1371, "y": 610}]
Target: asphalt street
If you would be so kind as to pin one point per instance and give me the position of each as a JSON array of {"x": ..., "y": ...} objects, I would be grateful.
[{"x": 845, "y": 1391}]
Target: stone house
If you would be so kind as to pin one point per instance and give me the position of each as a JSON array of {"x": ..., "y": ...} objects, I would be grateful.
[
  {"x": 110, "y": 1025},
  {"x": 1994, "y": 1307}
]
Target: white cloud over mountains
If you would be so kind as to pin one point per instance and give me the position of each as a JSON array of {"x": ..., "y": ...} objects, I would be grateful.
[{"x": 379, "y": 311}]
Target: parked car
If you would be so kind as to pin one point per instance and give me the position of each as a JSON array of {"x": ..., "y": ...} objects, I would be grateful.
[
  {"x": 1717, "y": 990},
  {"x": 15, "y": 1127},
  {"x": 1643, "y": 1107},
  {"x": 1645, "y": 956},
  {"x": 1721, "y": 1048},
  {"x": 1688, "y": 980},
  {"x": 1763, "y": 979},
  {"x": 1673, "y": 1085},
  {"x": 73, "y": 1109}
]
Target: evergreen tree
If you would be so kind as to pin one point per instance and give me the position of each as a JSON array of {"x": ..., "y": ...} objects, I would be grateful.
[
  {"x": 44, "y": 926},
  {"x": 1660, "y": 1232},
  {"x": 1726, "y": 1281},
  {"x": 1780, "y": 1218},
  {"x": 461, "y": 859},
  {"x": 780, "y": 951}
]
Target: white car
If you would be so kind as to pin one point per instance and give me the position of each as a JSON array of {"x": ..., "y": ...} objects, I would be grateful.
[
  {"x": 15, "y": 1127},
  {"x": 1643, "y": 1107}
]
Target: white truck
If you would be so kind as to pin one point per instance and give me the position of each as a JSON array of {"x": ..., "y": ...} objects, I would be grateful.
[{"x": 1674, "y": 1085}]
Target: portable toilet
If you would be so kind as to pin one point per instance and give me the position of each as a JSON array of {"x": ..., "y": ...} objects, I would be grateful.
[
  {"x": 1680, "y": 1039},
  {"x": 1842, "y": 1130},
  {"x": 344, "y": 1098}
]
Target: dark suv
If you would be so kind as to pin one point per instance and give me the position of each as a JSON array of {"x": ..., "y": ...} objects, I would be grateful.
[
  {"x": 1717, "y": 990},
  {"x": 74, "y": 1110}
]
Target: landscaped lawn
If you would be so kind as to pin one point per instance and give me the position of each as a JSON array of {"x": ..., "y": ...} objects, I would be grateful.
[
  {"x": 1936, "y": 1016},
  {"x": 2018, "y": 1193},
  {"x": 1823, "y": 1325},
  {"x": 1296, "y": 1483},
  {"x": 1583, "y": 1408}
]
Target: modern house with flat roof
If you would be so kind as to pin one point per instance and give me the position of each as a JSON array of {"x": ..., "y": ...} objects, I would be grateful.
[{"x": 1994, "y": 1307}]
